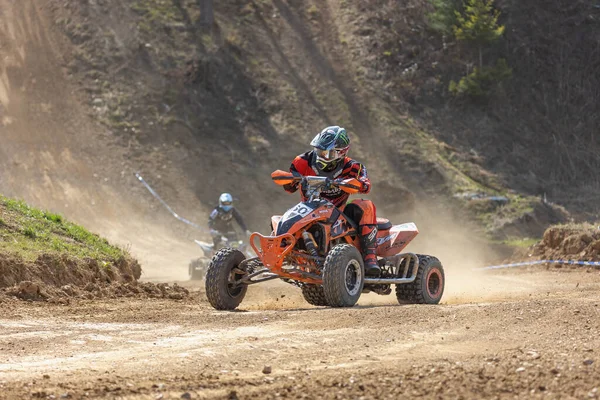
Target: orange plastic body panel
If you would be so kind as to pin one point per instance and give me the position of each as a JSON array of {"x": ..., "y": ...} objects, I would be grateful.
[
  {"x": 306, "y": 222},
  {"x": 392, "y": 241}
]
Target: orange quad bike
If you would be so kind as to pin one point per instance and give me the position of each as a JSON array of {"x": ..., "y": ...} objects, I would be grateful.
[{"x": 316, "y": 247}]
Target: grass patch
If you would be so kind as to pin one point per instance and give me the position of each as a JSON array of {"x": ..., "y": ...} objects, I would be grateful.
[
  {"x": 154, "y": 13},
  {"x": 313, "y": 11},
  {"x": 29, "y": 232},
  {"x": 56, "y": 218},
  {"x": 522, "y": 243}
]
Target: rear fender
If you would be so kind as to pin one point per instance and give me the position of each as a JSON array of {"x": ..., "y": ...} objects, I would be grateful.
[
  {"x": 393, "y": 241},
  {"x": 207, "y": 248}
]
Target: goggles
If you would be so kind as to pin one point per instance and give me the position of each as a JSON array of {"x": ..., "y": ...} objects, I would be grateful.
[{"x": 328, "y": 155}]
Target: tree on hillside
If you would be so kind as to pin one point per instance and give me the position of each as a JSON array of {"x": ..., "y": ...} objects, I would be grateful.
[
  {"x": 443, "y": 18},
  {"x": 478, "y": 24}
]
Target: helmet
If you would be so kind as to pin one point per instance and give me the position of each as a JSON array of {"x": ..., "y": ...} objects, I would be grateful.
[
  {"x": 226, "y": 201},
  {"x": 331, "y": 146}
]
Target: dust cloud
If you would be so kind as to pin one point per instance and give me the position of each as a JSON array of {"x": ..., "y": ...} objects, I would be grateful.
[{"x": 462, "y": 249}]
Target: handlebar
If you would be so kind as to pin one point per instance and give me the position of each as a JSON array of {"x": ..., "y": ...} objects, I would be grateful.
[{"x": 281, "y": 178}]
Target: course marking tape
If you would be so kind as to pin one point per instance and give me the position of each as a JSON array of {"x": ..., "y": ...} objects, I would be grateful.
[
  {"x": 521, "y": 264},
  {"x": 164, "y": 203}
]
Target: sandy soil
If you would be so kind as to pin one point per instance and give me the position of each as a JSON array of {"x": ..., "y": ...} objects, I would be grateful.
[{"x": 534, "y": 335}]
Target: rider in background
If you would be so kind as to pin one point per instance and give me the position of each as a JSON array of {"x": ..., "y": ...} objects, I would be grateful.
[
  {"x": 221, "y": 219},
  {"x": 328, "y": 158}
]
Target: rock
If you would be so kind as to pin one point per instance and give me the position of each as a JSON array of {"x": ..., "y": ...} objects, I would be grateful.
[
  {"x": 29, "y": 288},
  {"x": 186, "y": 396},
  {"x": 59, "y": 300},
  {"x": 176, "y": 296},
  {"x": 90, "y": 287},
  {"x": 97, "y": 101},
  {"x": 232, "y": 395},
  {"x": 574, "y": 245},
  {"x": 586, "y": 238},
  {"x": 588, "y": 362},
  {"x": 267, "y": 369},
  {"x": 68, "y": 289},
  {"x": 46, "y": 376},
  {"x": 520, "y": 369}
]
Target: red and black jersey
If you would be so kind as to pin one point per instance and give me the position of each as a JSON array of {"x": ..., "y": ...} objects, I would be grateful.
[{"x": 305, "y": 165}]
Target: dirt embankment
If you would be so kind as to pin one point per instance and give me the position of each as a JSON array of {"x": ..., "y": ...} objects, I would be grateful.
[
  {"x": 43, "y": 256},
  {"x": 60, "y": 278},
  {"x": 570, "y": 242}
]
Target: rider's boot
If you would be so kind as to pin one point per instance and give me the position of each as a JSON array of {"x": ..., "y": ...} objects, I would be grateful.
[{"x": 368, "y": 243}]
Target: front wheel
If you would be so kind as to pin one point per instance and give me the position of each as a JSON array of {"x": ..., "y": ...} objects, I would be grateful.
[
  {"x": 223, "y": 270},
  {"x": 343, "y": 276},
  {"x": 428, "y": 287}
]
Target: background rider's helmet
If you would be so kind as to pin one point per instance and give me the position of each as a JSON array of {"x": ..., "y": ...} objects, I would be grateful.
[
  {"x": 331, "y": 146},
  {"x": 226, "y": 201}
]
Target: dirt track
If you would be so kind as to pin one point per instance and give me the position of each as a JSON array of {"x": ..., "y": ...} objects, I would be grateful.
[{"x": 542, "y": 342}]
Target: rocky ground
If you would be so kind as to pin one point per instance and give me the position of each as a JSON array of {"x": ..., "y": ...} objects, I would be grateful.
[{"x": 515, "y": 334}]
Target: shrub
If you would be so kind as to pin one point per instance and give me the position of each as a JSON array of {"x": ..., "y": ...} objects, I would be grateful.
[
  {"x": 478, "y": 24},
  {"x": 480, "y": 82}
]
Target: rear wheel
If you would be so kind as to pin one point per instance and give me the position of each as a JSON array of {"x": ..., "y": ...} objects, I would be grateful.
[
  {"x": 428, "y": 287},
  {"x": 222, "y": 294},
  {"x": 343, "y": 276},
  {"x": 314, "y": 294}
]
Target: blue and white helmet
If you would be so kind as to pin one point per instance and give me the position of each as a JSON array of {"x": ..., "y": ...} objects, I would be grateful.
[{"x": 226, "y": 201}]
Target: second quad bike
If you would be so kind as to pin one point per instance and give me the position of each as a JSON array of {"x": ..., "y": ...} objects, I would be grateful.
[
  {"x": 197, "y": 267},
  {"x": 315, "y": 246}
]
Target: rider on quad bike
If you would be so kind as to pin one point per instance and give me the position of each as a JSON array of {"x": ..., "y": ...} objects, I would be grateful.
[
  {"x": 221, "y": 219},
  {"x": 328, "y": 159}
]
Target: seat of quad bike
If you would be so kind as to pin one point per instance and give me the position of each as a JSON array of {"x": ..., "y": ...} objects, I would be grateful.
[{"x": 383, "y": 224}]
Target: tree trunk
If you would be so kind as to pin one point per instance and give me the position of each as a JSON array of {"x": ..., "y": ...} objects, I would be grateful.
[
  {"x": 207, "y": 16},
  {"x": 480, "y": 58}
]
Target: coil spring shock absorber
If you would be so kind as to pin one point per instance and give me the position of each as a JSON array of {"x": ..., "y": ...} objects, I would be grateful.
[{"x": 311, "y": 246}]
